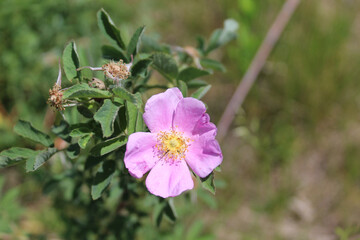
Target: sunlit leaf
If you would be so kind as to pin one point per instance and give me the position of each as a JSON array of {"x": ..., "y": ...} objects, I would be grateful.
[
  {"x": 71, "y": 62},
  {"x": 84, "y": 91},
  {"x": 183, "y": 88},
  {"x": 201, "y": 92},
  {"x": 135, "y": 42},
  {"x": 222, "y": 36},
  {"x": 84, "y": 140},
  {"x": 208, "y": 183},
  {"x": 126, "y": 95},
  {"x": 15, "y": 155},
  {"x": 111, "y": 53},
  {"x": 33, "y": 163},
  {"x": 108, "y": 27},
  {"x": 106, "y": 116},
  {"x": 191, "y": 73},
  {"x": 108, "y": 146},
  {"x": 166, "y": 65},
  {"x": 140, "y": 67},
  {"x": 134, "y": 117},
  {"x": 25, "y": 130},
  {"x": 195, "y": 83},
  {"x": 212, "y": 64}
]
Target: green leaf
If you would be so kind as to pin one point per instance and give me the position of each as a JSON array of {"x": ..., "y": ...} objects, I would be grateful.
[
  {"x": 158, "y": 214},
  {"x": 150, "y": 44},
  {"x": 15, "y": 155},
  {"x": 85, "y": 111},
  {"x": 102, "y": 179},
  {"x": 73, "y": 151},
  {"x": 191, "y": 73},
  {"x": 194, "y": 232},
  {"x": 62, "y": 130},
  {"x": 80, "y": 131},
  {"x": 222, "y": 36},
  {"x": 207, "y": 198},
  {"x": 84, "y": 140},
  {"x": 84, "y": 91},
  {"x": 140, "y": 67},
  {"x": 126, "y": 95},
  {"x": 108, "y": 146},
  {"x": 106, "y": 116},
  {"x": 212, "y": 64},
  {"x": 122, "y": 119},
  {"x": 92, "y": 161},
  {"x": 111, "y": 53},
  {"x": 165, "y": 65},
  {"x": 71, "y": 62},
  {"x": 109, "y": 29},
  {"x": 208, "y": 183},
  {"x": 135, "y": 42},
  {"x": 134, "y": 117},
  {"x": 33, "y": 163},
  {"x": 169, "y": 210},
  {"x": 183, "y": 88},
  {"x": 84, "y": 134},
  {"x": 195, "y": 83},
  {"x": 25, "y": 130},
  {"x": 201, "y": 92},
  {"x": 200, "y": 43}
]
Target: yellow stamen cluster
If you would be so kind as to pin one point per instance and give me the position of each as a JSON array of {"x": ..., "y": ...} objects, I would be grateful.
[
  {"x": 171, "y": 145},
  {"x": 116, "y": 70},
  {"x": 55, "y": 100}
]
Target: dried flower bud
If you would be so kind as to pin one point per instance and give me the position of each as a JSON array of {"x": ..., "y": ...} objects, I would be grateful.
[
  {"x": 97, "y": 83},
  {"x": 116, "y": 70},
  {"x": 55, "y": 100}
]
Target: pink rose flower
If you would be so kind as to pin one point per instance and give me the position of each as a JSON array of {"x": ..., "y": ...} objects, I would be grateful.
[{"x": 181, "y": 135}]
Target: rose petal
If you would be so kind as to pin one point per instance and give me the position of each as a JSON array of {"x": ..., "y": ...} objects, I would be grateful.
[
  {"x": 169, "y": 179},
  {"x": 204, "y": 125},
  {"x": 187, "y": 114},
  {"x": 159, "y": 109},
  {"x": 204, "y": 154},
  {"x": 139, "y": 156}
]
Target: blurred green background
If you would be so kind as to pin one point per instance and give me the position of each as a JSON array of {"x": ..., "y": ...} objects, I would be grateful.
[{"x": 291, "y": 165}]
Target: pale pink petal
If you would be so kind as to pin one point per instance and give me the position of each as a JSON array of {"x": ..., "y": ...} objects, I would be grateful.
[
  {"x": 204, "y": 125},
  {"x": 159, "y": 109},
  {"x": 204, "y": 154},
  {"x": 169, "y": 179},
  {"x": 187, "y": 114},
  {"x": 139, "y": 156}
]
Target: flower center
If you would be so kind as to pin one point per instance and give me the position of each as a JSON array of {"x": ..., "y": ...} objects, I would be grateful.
[{"x": 171, "y": 145}]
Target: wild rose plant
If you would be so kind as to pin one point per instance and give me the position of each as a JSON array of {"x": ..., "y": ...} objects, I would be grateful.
[{"x": 104, "y": 139}]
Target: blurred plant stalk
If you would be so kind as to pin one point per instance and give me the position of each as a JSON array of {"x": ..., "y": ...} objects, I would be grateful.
[{"x": 256, "y": 65}]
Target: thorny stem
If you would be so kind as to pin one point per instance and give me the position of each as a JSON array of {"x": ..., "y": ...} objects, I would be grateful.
[{"x": 256, "y": 65}]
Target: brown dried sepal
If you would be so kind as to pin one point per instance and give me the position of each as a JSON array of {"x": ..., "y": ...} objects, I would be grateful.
[
  {"x": 96, "y": 83},
  {"x": 55, "y": 100},
  {"x": 116, "y": 70}
]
